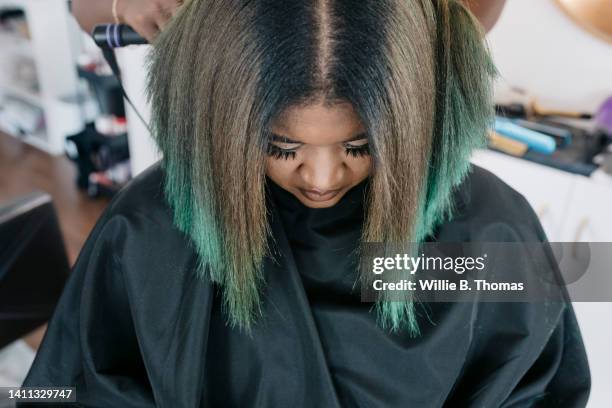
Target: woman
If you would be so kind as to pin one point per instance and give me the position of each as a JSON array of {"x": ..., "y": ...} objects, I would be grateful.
[{"x": 292, "y": 133}]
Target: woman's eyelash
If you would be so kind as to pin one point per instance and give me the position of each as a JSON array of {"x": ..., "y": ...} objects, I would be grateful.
[
  {"x": 280, "y": 153},
  {"x": 357, "y": 151}
]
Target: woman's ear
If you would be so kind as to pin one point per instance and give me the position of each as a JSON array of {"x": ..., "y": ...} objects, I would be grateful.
[{"x": 464, "y": 106}]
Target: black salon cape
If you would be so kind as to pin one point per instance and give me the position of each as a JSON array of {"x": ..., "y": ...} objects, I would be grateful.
[{"x": 135, "y": 328}]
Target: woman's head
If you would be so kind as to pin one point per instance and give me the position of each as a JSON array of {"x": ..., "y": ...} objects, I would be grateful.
[{"x": 317, "y": 95}]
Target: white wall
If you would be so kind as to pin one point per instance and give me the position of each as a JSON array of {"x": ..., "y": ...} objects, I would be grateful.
[
  {"x": 143, "y": 151},
  {"x": 536, "y": 46}
]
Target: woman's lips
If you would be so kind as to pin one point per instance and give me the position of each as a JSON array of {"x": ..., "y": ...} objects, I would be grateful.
[{"x": 317, "y": 195}]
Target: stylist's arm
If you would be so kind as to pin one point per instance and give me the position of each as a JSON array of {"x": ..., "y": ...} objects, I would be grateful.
[
  {"x": 486, "y": 11},
  {"x": 147, "y": 17}
]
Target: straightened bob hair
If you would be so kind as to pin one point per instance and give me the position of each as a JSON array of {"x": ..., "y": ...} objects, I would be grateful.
[{"x": 417, "y": 72}]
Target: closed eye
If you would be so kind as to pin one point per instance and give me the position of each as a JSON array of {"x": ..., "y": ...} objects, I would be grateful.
[
  {"x": 282, "y": 147},
  {"x": 357, "y": 150},
  {"x": 279, "y": 153},
  {"x": 354, "y": 144},
  {"x": 283, "y": 142},
  {"x": 286, "y": 146}
]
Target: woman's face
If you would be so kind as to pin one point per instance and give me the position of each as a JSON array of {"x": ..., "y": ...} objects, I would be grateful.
[{"x": 318, "y": 153}]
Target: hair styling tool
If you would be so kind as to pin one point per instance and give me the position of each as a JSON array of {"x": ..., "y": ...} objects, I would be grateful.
[
  {"x": 562, "y": 136},
  {"x": 116, "y": 36},
  {"x": 519, "y": 110},
  {"x": 506, "y": 144},
  {"x": 536, "y": 141}
]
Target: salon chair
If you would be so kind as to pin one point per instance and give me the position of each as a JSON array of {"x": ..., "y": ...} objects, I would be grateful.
[{"x": 33, "y": 265}]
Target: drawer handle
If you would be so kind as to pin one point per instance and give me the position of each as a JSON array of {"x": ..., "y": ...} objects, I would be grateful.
[
  {"x": 584, "y": 222},
  {"x": 543, "y": 210}
]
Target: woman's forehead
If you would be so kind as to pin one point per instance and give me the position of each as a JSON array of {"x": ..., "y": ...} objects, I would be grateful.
[{"x": 319, "y": 123}]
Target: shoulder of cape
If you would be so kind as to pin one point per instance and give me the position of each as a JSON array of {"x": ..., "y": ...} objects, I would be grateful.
[{"x": 488, "y": 200}]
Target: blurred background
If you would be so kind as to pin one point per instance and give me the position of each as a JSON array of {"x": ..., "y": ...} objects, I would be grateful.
[{"x": 69, "y": 141}]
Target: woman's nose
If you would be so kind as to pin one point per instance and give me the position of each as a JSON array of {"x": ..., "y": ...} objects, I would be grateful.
[{"x": 323, "y": 171}]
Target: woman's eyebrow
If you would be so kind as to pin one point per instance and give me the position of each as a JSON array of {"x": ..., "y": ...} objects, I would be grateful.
[
  {"x": 282, "y": 139},
  {"x": 285, "y": 139}
]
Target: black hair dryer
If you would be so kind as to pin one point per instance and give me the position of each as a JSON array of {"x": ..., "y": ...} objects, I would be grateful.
[{"x": 109, "y": 36}]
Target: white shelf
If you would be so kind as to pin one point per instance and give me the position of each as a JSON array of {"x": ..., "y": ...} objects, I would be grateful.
[
  {"x": 15, "y": 44},
  {"x": 21, "y": 92},
  {"x": 53, "y": 47}
]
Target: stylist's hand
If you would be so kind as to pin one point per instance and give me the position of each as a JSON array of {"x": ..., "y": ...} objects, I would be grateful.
[{"x": 147, "y": 17}]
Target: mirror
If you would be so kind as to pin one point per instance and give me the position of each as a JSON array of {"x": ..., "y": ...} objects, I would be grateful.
[{"x": 594, "y": 15}]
